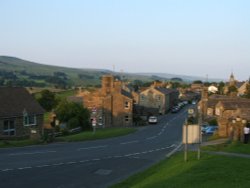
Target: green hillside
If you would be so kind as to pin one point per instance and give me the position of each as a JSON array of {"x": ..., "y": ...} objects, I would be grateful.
[{"x": 18, "y": 72}]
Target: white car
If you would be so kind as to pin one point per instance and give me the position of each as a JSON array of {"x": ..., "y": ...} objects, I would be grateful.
[{"x": 152, "y": 120}]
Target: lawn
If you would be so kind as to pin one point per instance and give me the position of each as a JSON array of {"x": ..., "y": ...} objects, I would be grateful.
[
  {"x": 234, "y": 147},
  {"x": 83, "y": 136},
  {"x": 210, "y": 171},
  {"x": 99, "y": 134}
]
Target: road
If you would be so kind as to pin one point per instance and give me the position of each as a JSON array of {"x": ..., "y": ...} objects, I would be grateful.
[{"x": 90, "y": 164}]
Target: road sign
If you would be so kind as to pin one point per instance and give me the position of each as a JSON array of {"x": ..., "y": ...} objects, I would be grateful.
[{"x": 94, "y": 122}]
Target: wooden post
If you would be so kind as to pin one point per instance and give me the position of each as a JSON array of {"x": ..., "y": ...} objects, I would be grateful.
[{"x": 186, "y": 143}]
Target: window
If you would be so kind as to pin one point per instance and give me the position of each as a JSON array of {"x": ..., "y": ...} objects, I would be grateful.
[
  {"x": 127, "y": 105},
  {"x": 158, "y": 97},
  {"x": 142, "y": 97},
  {"x": 29, "y": 120},
  {"x": 126, "y": 118},
  {"x": 9, "y": 128}
]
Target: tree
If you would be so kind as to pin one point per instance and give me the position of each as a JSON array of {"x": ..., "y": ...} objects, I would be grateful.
[
  {"x": 247, "y": 92},
  {"x": 232, "y": 89},
  {"x": 47, "y": 100},
  {"x": 74, "y": 114},
  {"x": 221, "y": 87},
  {"x": 175, "y": 85},
  {"x": 197, "y": 82}
]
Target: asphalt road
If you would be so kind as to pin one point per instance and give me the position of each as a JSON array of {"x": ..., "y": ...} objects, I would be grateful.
[{"x": 90, "y": 164}]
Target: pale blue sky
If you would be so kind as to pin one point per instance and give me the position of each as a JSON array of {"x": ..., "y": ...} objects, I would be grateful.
[{"x": 190, "y": 37}]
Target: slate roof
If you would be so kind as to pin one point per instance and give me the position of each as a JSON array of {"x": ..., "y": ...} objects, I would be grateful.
[
  {"x": 126, "y": 94},
  {"x": 166, "y": 91},
  {"x": 239, "y": 84},
  {"x": 233, "y": 105},
  {"x": 14, "y": 100}
]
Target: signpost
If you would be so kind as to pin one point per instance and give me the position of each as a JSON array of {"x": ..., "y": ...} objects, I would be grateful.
[
  {"x": 94, "y": 125},
  {"x": 191, "y": 132}
]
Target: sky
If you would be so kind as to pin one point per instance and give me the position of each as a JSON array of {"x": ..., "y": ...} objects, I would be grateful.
[{"x": 206, "y": 38}]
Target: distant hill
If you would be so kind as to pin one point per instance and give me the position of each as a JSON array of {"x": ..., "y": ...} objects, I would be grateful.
[
  {"x": 185, "y": 78},
  {"x": 19, "y": 72}
]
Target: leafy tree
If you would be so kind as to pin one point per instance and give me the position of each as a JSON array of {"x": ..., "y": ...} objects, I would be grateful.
[
  {"x": 197, "y": 82},
  {"x": 47, "y": 100},
  {"x": 73, "y": 114},
  {"x": 175, "y": 85},
  {"x": 176, "y": 79},
  {"x": 247, "y": 92},
  {"x": 221, "y": 87},
  {"x": 232, "y": 89},
  {"x": 207, "y": 84}
]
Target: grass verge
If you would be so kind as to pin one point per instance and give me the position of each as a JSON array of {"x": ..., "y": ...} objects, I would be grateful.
[
  {"x": 209, "y": 171},
  {"x": 99, "y": 134},
  {"x": 234, "y": 147},
  {"x": 18, "y": 143},
  {"x": 83, "y": 136}
]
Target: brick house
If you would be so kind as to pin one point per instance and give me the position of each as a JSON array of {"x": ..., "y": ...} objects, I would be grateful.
[
  {"x": 111, "y": 105},
  {"x": 20, "y": 114},
  {"x": 159, "y": 98}
]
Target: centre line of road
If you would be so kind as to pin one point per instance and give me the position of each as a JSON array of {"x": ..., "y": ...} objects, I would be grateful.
[
  {"x": 133, "y": 155},
  {"x": 153, "y": 137},
  {"x": 32, "y": 153},
  {"x": 131, "y": 142},
  {"x": 94, "y": 147}
]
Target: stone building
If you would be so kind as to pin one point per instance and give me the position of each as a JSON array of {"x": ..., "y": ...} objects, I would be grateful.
[
  {"x": 207, "y": 103},
  {"x": 111, "y": 106},
  {"x": 232, "y": 117},
  {"x": 240, "y": 86},
  {"x": 20, "y": 115},
  {"x": 159, "y": 98}
]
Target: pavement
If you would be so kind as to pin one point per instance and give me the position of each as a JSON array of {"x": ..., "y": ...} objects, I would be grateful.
[{"x": 215, "y": 142}]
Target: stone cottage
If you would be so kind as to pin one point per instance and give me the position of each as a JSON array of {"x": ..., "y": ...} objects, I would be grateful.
[
  {"x": 111, "y": 106},
  {"x": 20, "y": 114}
]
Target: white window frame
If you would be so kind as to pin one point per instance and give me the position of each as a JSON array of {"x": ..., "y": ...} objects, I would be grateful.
[
  {"x": 26, "y": 120},
  {"x": 127, "y": 105}
]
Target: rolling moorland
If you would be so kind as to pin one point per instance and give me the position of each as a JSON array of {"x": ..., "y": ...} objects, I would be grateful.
[{"x": 18, "y": 72}]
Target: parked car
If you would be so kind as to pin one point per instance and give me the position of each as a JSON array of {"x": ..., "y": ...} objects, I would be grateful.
[
  {"x": 175, "y": 109},
  {"x": 152, "y": 120},
  {"x": 211, "y": 129}
]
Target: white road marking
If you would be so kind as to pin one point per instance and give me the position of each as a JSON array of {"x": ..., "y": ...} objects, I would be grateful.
[
  {"x": 7, "y": 169},
  {"x": 31, "y": 153},
  {"x": 71, "y": 162},
  {"x": 150, "y": 138},
  {"x": 134, "y": 141},
  {"x": 23, "y": 168},
  {"x": 118, "y": 156},
  {"x": 57, "y": 164},
  {"x": 41, "y": 166},
  {"x": 95, "y": 159},
  {"x": 174, "y": 150},
  {"x": 84, "y": 161},
  {"x": 94, "y": 147},
  {"x": 131, "y": 155}
]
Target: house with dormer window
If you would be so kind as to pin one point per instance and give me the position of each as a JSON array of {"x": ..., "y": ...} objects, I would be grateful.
[{"x": 20, "y": 115}]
